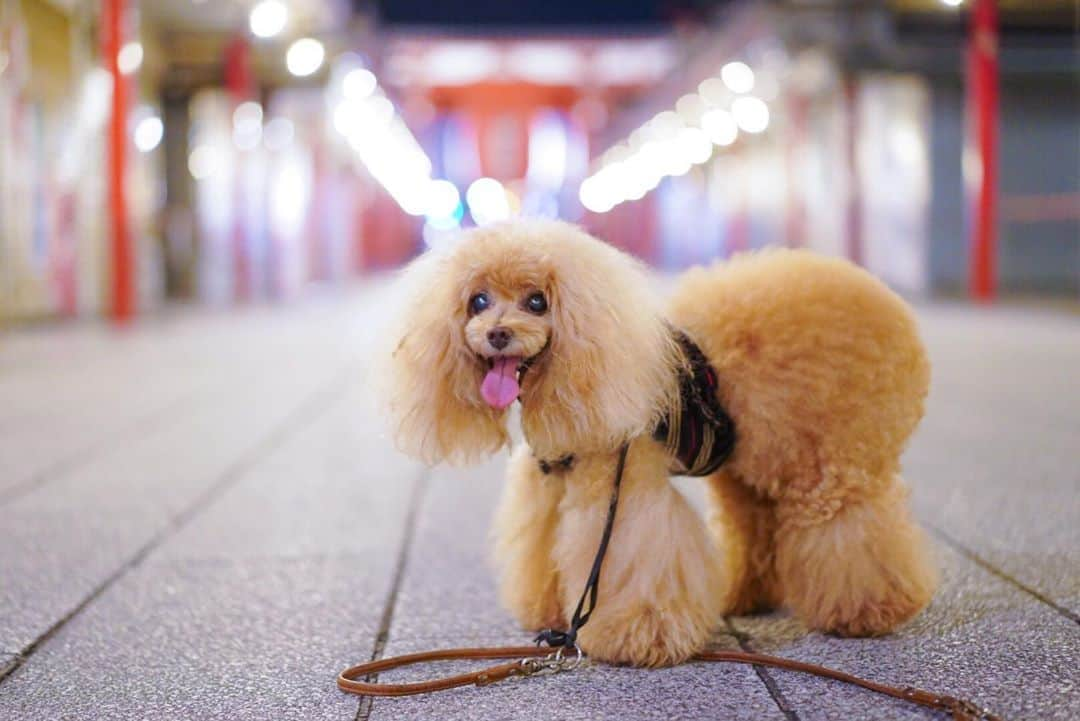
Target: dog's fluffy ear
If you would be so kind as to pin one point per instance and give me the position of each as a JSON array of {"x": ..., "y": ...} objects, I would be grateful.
[
  {"x": 609, "y": 373},
  {"x": 433, "y": 379}
]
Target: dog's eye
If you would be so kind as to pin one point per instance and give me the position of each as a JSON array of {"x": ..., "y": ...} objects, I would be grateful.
[
  {"x": 536, "y": 303},
  {"x": 479, "y": 303}
]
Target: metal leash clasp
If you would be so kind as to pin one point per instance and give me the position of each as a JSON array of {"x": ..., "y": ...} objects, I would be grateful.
[{"x": 555, "y": 662}]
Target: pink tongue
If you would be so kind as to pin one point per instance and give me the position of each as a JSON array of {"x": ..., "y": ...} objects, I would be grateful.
[{"x": 500, "y": 387}]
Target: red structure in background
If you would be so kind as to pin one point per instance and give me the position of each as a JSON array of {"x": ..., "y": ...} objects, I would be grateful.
[
  {"x": 122, "y": 308},
  {"x": 489, "y": 103},
  {"x": 981, "y": 147},
  {"x": 241, "y": 86}
]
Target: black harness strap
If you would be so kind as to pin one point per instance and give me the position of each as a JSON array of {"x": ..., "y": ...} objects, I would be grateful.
[
  {"x": 698, "y": 433},
  {"x": 589, "y": 596}
]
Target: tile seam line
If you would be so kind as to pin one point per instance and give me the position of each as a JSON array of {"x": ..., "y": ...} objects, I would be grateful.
[
  {"x": 999, "y": 573},
  {"x": 416, "y": 500},
  {"x": 313, "y": 406},
  {"x": 763, "y": 674},
  {"x": 143, "y": 425},
  {"x": 140, "y": 426}
]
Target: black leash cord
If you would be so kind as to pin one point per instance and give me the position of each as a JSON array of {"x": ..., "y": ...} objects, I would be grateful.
[{"x": 568, "y": 639}]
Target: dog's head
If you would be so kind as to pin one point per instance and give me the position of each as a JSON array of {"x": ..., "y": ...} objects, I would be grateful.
[{"x": 537, "y": 311}]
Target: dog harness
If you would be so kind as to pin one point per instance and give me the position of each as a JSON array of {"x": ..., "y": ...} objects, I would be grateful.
[{"x": 698, "y": 433}]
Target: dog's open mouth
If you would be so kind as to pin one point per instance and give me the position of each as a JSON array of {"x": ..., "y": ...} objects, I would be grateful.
[{"x": 500, "y": 387}]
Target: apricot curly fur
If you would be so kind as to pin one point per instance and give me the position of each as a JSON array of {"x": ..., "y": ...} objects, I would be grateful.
[{"x": 820, "y": 366}]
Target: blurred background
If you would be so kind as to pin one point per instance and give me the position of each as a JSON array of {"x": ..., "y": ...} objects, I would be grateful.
[
  {"x": 201, "y": 511},
  {"x": 225, "y": 151}
]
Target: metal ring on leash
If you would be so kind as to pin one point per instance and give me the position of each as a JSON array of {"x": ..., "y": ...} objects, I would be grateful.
[{"x": 564, "y": 664}]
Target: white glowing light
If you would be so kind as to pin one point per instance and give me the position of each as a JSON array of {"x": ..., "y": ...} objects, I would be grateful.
[
  {"x": 383, "y": 144},
  {"x": 593, "y": 197},
  {"x": 547, "y": 151},
  {"x": 690, "y": 108},
  {"x": 268, "y": 18},
  {"x": 358, "y": 84},
  {"x": 204, "y": 162},
  {"x": 247, "y": 115},
  {"x": 677, "y": 161},
  {"x": 278, "y": 134},
  {"x": 720, "y": 126},
  {"x": 290, "y": 194},
  {"x": 694, "y": 145},
  {"x": 653, "y": 158},
  {"x": 305, "y": 57},
  {"x": 952, "y": 3},
  {"x": 443, "y": 200},
  {"x": 148, "y": 133},
  {"x": 545, "y": 63},
  {"x": 247, "y": 125},
  {"x": 394, "y": 158},
  {"x": 130, "y": 57},
  {"x": 461, "y": 63},
  {"x": 345, "y": 117},
  {"x": 752, "y": 114},
  {"x": 353, "y": 117},
  {"x": 487, "y": 201},
  {"x": 738, "y": 77},
  {"x": 666, "y": 125},
  {"x": 713, "y": 91}
]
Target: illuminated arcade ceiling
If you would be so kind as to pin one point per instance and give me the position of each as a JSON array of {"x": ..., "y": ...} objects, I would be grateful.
[{"x": 439, "y": 61}]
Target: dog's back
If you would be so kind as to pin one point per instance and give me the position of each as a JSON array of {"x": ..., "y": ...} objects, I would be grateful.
[{"x": 820, "y": 364}]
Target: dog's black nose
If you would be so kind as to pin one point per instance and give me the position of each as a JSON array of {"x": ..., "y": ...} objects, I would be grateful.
[{"x": 499, "y": 337}]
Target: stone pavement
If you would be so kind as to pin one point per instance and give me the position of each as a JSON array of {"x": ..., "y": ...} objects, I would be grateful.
[{"x": 201, "y": 518}]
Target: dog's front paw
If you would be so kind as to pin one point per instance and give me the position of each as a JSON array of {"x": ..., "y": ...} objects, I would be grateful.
[{"x": 645, "y": 636}]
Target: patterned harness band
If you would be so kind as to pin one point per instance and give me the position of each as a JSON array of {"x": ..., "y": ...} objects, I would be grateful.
[{"x": 698, "y": 433}]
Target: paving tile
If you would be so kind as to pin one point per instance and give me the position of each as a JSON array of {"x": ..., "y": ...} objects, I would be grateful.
[
  {"x": 981, "y": 639},
  {"x": 51, "y": 561},
  {"x": 330, "y": 488},
  {"x": 995, "y": 464},
  {"x": 64, "y": 539},
  {"x": 691, "y": 691},
  {"x": 449, "y": 587},
  {"x": 58, "y": 544},
  {"x": 209, "y": 640},
  {"x": 65, "y": 396}
]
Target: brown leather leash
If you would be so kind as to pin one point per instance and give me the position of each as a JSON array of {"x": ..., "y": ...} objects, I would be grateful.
[{"x": 531, "y": 660}]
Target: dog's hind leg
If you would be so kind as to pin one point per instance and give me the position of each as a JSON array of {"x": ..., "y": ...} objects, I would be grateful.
[
  {"x": 524, "y": 534},
  {"x": 743, "y": 523},
  {"x": 858, "y": 569}
]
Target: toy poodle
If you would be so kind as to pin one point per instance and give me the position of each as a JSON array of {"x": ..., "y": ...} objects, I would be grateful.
[{"x": 792, "y": 381}]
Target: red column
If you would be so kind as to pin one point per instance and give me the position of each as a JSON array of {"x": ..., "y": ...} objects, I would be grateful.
[
  {"x": 123, "y": 265},
  {"x": 981, "y": 147},
  {"x": 238, "y": 81}
]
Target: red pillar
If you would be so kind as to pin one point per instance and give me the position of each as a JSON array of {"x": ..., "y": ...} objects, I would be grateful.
[
  {"x": 122, "y": 265},
  {"x": 981, "y": 146}
]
